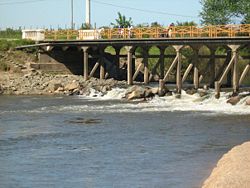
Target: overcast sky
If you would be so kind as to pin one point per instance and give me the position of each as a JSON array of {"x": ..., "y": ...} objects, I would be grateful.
[{"x": 47, "y": 13}]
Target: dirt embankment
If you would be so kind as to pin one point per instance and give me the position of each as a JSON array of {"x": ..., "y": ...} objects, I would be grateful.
[{"x": 232, "y": 170}]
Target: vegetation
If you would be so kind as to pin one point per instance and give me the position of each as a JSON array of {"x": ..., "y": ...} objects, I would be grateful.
[
  {"x": 221, "y": 12},
  {"x": 122, "y": 21},
  {"x": 6, "y": 45},
  {"x": 11, "y": 34}
]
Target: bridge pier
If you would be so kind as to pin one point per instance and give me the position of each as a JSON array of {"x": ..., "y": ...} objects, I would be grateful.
[
  {"x": 145, "y": 62},
  {"x": 196, "y": 82},
  {"x": 85, "y": 62},
  {"x": 212, "y": 65},
  {"x": 102, "y": 64},
  {"x": 129, "y": 65},
  {"x": 233, "y": 64}
]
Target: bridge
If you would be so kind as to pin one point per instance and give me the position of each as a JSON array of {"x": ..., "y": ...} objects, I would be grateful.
[{"x": 130, "y": 57}]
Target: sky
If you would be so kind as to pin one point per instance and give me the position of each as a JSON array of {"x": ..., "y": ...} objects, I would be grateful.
[{"x": 57, "y": 13}]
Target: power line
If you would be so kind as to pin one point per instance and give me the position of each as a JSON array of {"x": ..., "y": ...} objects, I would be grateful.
[
  {"x": 21, "y": 2},
  {"x": 143, "y": 10}
]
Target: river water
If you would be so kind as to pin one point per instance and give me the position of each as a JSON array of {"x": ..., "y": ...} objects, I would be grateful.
[{"x": 98, "y": 142}]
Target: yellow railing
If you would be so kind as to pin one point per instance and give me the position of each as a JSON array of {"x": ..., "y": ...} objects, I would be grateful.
[{"x": 153, "y": 32}]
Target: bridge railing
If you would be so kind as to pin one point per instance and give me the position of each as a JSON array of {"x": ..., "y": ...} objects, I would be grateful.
[{"x": 152, "y": 32}]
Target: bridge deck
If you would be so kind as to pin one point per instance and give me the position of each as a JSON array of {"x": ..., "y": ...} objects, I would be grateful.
[{"x": 144, "y": 42}]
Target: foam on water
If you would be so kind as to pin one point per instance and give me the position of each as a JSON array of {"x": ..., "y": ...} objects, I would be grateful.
[{"x": 207, "y": 104}]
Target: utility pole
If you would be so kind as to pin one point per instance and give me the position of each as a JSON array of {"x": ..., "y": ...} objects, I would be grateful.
[
  {"x": 87, "y": 18},
  {"x": 72, "y": 14}
]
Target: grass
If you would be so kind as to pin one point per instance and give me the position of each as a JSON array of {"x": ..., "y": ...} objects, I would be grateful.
[
  {"x": 6, "y": 45},
  {"x": 11, "y": 34}
]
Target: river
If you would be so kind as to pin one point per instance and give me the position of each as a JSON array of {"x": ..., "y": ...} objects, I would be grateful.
[{"x": 101, "y": 143}]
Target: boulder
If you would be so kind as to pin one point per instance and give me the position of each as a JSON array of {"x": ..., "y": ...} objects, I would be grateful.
[
  {"x": 71, "y": 86},
  {"x": 191, "y": 91},
  {"x": 53, "y": 86},
  {"x": 234, "y": 100},
  {"x": 135, "y": 95},
  {"x": 1, "y": 90},
  {"x": 155, "y": 90},
  {"x": 232, "y": 170},
  {"x": 135, "y": 92},
  {"x": 248, "y": 101}
]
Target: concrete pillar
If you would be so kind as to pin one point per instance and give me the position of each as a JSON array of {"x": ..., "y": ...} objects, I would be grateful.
[
  {"x": 85, "y": 62},
  {"x": 129, "y": 65},
  {"x": 196, "y": 49},
  {"x": 212, "y": 66},
  {"x": 230, "y": 73},
  {"x": 102, "y": 64},
  {"x": 87, "y": 17},
  {"x": 235, "y": 67},
  {"x": 161, "y": 87},
  {"x": 162, "y": 59},
  {"x": 145, "y": 62},
  {"x": 117, "y": 62},
  {"x": 178, "y": 69}
]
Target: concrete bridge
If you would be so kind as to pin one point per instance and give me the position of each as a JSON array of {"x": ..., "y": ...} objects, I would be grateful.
[{"x": 131, "y": 59}]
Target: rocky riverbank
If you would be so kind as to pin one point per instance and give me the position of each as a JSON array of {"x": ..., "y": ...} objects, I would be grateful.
[{"x": 232, "y": 170}]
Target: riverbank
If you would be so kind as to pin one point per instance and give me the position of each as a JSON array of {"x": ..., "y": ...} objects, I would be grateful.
[{"x": 232, "y": 170}]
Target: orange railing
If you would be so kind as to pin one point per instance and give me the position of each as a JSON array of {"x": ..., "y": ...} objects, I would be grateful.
[{"x": 152, "y": 32}]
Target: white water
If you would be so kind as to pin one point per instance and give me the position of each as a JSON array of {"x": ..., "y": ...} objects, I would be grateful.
[
  {"x": 170, "y": 103},
  {"x": 208, "y": 105}
]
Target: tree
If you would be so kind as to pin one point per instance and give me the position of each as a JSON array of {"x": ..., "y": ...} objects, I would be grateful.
[
  {"x": 218, "y": 12},
  {"x": 122, "y": 21},
  {"x": 215, "y": 12},
  {"x": 155, "y": 24},
  {"x": 192, "y": 23}
]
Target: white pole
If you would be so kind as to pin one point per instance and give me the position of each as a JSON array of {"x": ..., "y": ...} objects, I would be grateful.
[
  {"x": 87, "y": 21},
  {"x": 72, "y": 15}
]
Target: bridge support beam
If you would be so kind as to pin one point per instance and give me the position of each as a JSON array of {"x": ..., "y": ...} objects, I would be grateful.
[
  {"x": 102, "y": 64},
  {"x": 145, "y": 62},
  {"x": 196, "y": 82},
  {"x": 212, "y": 65},
  {"x": 235, "y": 67},
  {"x": 178, "y": 69},
  {"x": 129, "y": 65},
  {"x": 162, "y": 60},
  {"x": 85, "y": 62},
  {"x": 232, "y": 64},
  {"x": 117, "y": 61}
]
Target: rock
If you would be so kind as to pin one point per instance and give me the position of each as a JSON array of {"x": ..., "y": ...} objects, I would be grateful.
[
  {"x": 148, "y": 93},
  {"x": 135, "y": 95},
  {"x": 232, "y": 170},
  {"x": 1, "y": 90},
  {"x": 234, "y": 100},
  {"x": 203, "y": 93},
  {"x": 155, "y": 90},
  {"x": 248, "y": 101},
  {"x": 53, "y": 86},
  {"x": 191, "y": 91},
  {"x": 71, "y": 86}
]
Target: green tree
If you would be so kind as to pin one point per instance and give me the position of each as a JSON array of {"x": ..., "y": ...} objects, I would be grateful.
[
  {"x": 192, "y": 23},
  {"x": 155, "y": 24},
  {"x": 218, "y": 12},
  {"x": 122, "y": 21},
  {"x": 215, "y": 12}
]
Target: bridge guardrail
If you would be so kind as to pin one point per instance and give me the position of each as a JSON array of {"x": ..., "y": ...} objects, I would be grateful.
[{"x": 153, "y": 32}]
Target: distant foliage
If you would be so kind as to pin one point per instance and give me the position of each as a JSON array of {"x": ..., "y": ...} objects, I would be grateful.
[
  {"x": 11, "y": 34},
  {"x": 192, "y": 23},
  {"x": 221, "y": 12},
  {"x": 155, "y": 24},
  {"x": 6, "y": 45},
  {"x": 122, "y": 21}
]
